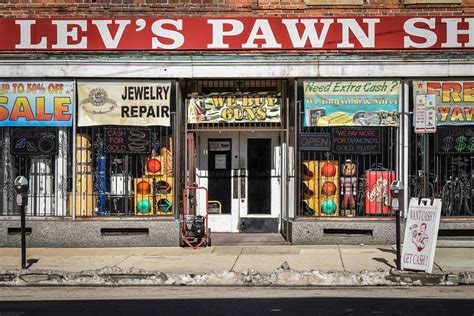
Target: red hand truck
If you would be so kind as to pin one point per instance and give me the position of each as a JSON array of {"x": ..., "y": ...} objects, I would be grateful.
[{"x": 196, "y": 231}]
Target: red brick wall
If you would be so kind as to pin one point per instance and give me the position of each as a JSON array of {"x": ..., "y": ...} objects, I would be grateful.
[{"x": 159, "y": 8}]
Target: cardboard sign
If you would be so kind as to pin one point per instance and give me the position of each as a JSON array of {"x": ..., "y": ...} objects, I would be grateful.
[
  {"x": 361, "y": 141},
  {"x": 127, "y": 140},
  {"x": 34, "y": 141},
  {"x": 459, "y": 140},
  {"x": 421, "y": 234},
  {"x": 315, "y": 141},
  {"x": 36, "y": 103},
  {"x": 351, "y": 103},
  {"x": 124, "y": 103}
]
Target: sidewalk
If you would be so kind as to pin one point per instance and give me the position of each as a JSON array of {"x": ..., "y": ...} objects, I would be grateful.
[{"x": 264, "y": 259}]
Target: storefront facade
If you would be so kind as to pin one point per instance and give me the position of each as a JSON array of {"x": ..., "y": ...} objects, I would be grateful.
[{"x": 302, "y": 145}]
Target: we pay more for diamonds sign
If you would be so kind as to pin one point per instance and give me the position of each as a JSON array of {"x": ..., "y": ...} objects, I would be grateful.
[{"x": 421, "y": 234}]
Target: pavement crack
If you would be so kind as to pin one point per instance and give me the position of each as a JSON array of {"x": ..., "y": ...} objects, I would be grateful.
[
  {"x": 340, "y": 257},
  {"x": 236, "y": 259}
]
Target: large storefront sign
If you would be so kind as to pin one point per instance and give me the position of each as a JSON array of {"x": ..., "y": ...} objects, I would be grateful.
[
  {"x": 237, "y": 33},
  {"x": 36, "y": 103},
  {"x": 124, "y": 103},
  {"x": 260, "y": 107},
  {"x": 454, "y": 100},
  {"x": 351, "y": 103}
]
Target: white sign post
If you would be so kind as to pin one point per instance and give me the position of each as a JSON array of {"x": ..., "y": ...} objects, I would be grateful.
[
  {"x": 421, "y": 234},
  {"x": 425, "y": 113}
]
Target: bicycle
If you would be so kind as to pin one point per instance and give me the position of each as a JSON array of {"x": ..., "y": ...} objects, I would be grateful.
[
  {"x": 452, "y": 197},
  {"x": 416, "y": 185}
]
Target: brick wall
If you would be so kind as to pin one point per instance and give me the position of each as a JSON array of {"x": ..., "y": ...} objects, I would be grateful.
[{"x": 160, "y": 8}]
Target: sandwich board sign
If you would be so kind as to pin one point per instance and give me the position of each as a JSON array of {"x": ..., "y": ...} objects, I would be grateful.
[{"x": 421, "y": 234}]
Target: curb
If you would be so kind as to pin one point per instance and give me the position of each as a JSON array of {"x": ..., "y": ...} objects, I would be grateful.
[{"x": 283, "y": 276}]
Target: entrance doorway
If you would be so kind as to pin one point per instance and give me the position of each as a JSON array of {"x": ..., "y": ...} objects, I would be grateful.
[{"x": 242, "y": 172}]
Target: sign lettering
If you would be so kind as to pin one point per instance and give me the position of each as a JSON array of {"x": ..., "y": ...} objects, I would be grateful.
[{"x": 237, "y": 33}]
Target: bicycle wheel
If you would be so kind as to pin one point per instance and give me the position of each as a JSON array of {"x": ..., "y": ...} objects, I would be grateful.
[
  {"x": 446, "y": 202},
  {"x": 457, "y": 198}
]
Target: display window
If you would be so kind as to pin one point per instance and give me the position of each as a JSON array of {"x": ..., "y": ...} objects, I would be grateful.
[
  {"x": 124, "y": 141},
  {"x": 442, "y": 160},
  {"x": 347, "y": 147},
  {"x": 36, "y": 127}
]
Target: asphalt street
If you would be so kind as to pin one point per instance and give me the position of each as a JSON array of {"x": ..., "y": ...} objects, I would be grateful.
[{"x": 237, "y": 301}]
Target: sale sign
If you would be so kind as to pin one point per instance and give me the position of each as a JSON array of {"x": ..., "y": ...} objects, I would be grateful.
[
  {"x": 454, "y": 100},
  {"x": 36, "y": 103}
]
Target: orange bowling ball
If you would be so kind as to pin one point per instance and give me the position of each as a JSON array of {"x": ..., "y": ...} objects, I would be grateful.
[
  {"x": 143, "y": 188},
  {"x": 329, "y": 188},
  {"x": 328, "y": 169}
]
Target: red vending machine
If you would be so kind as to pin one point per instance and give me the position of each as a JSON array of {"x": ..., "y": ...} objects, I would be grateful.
[{"x": 377, "y": 191}]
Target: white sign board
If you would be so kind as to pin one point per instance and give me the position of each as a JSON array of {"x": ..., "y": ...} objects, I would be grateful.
[
  {"x": 220, "y": 162},
  {"x": 421, "y": 234},
  {"x": 425, "y": 113}
]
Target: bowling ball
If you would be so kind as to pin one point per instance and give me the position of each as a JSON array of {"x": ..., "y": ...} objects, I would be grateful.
[
  {"x": 329, "y": 207},
  {"x": 144, "y": 206},
  {"x": 143, "y": 188},
  {"x": 329, "y": 188},
  {"x": 153, "y": 165},
  {"x": 328, "y": 169}
]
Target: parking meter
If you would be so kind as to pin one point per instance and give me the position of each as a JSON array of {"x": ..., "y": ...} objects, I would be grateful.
[
  {"x": 396, "y": 190},
  {"x": 21, "y": 188}
]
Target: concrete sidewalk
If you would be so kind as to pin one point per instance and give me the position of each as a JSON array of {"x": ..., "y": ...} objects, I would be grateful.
[{"x": 263, "y": 259}]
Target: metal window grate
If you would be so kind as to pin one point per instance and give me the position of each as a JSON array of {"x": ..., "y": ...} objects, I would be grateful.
[{"x": 32, "y": 153}]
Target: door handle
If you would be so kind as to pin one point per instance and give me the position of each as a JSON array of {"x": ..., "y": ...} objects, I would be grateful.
[
  {"x": 235, "y": 183},
  {"x": 243, "y": 178}
]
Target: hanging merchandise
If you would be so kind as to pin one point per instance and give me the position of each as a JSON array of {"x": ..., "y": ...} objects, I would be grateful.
[
  {"x": 378, "y": 198},
  {"x": 101, "y": 184},
  {"x": 85, "y": 198},
  {"x": 348, "y": 188},
  {"x": 41, "y": 196},
  {"x": 320, "y": 188},
  {"x": 310, "y": 186},
  {"x": 154, "y": 190},
  {"x": 329, "y": 197}
]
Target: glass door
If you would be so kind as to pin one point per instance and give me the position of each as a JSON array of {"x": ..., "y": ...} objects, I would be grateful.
[
  {"x": 241, "y": 171},
  {"x": 260, "y": 178}
]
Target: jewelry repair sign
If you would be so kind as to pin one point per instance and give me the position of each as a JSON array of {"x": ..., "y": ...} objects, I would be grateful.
[
  {"x": 421, "y": 234},
  {"x": 36, "y": 103},
  {"x": 124, "y": 103}
]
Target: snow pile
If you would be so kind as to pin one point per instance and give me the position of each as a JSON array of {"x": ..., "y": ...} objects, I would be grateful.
[{"x": 283, "y": 276}]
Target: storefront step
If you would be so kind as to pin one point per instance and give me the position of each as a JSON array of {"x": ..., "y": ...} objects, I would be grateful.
[
  {"x": 239, "y": 239},
  {"x": 355, "y": 232}
]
